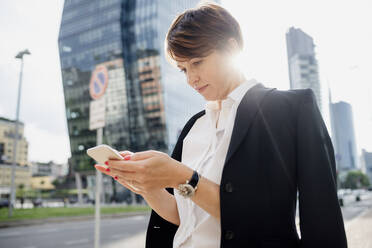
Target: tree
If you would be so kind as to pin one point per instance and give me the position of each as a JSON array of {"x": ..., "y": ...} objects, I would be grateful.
[{"x": 356, "y": 180}]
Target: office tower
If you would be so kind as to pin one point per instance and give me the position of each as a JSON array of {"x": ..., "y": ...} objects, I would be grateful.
[
  {"x": 147, "y": 100},
  {"x": 343, "y": 136},
  {"x": 367, "y": 164},
  {"x": 302, "y": 63},
  {"x": 7, "y": 136}
]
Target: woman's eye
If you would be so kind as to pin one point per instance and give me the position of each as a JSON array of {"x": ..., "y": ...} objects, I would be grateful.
[{"x": 197, "y": 62}]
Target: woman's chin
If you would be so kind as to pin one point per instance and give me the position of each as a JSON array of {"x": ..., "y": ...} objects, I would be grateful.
[{"x": 209, "y": 99}]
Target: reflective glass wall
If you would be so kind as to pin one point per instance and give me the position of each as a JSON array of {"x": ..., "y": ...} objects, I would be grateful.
[{"x": 148, "y": 101}]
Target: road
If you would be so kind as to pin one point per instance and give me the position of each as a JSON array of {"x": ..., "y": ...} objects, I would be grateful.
[
  {"x": 76, "y": 234},
  {"x": 353, "y": 209},
  {"x": 123, "y": 232}
]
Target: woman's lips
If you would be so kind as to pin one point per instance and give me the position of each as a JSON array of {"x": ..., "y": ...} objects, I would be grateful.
[{"x": 202, "y": 88}]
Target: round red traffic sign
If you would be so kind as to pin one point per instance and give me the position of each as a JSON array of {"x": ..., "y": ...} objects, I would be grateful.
[{"x": 98, "y": 82}]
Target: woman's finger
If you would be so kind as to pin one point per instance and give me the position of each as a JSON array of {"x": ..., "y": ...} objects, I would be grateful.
[
  {"x": 125, "y": 153},
  {"x": 102, "y": 169},
  {"x": 123, "y": 165},
  {"x": 120, "y": 178},
  {"x": 123, "y": 174},
  {"x": 130, "y": 187},
  {"x": 143, "y": 155}
]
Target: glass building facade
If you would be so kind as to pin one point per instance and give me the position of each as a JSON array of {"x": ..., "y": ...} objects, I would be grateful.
[
  {"x": 148, "y": 101},
  {"x": 367, "y": 164},
  {"x": 343, "y": 136},
  {"x": 302, "y": 63}
]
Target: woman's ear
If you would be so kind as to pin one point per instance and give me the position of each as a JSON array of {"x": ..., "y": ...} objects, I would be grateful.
[
  {"x": 232, "y": 46},
  {"x": 231, "y": 51}
]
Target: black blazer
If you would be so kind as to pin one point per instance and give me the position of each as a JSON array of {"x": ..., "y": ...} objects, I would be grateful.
[{"x": 279, "y": 145}]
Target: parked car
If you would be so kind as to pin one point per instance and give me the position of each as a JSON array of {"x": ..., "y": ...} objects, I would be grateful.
[
  {"x": 4, "y": 203},
  {"x": 37, "y": 202},
  {"x": 340, "y": 195}
]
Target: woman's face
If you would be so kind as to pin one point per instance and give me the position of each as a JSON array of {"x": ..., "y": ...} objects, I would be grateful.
[{"x": 211, "y": 75}]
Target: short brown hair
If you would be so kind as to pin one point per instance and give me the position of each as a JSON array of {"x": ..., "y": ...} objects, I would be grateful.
[{"x": 198, "y": 31}]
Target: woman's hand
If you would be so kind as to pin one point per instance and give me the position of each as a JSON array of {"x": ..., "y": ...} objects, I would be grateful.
[
  {"x": 109, "y": 172},
  {"x": 147, "y": 173},
  {"x": 143, "y": 172}
]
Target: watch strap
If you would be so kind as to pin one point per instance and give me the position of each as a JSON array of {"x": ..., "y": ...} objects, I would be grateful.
[{"x": 194, "y": 179}]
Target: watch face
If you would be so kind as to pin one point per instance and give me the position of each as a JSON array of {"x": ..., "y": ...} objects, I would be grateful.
[{"x": 186, "y": 189}]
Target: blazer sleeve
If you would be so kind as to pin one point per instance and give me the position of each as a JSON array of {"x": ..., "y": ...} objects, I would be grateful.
[
  {"x": 321, "y": 222},
  {"x": 160, "y": 232}
]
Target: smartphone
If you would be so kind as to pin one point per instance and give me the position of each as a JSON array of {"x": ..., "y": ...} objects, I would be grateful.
[{"x": 102, "y": 153}]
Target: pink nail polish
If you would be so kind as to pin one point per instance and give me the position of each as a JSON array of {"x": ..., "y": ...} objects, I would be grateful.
[
  {"x": 115, "y": 177},
  {"x": 106, "y": 163},
  {"x": 127, "y": 157},
  {"x": 108, "y": 169}
]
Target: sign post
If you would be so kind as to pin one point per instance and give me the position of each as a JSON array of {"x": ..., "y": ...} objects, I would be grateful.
[{"x": 97, "y": 109}]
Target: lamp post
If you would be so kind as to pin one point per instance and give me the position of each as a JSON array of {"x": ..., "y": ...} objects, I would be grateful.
[{"x": 12, "y": 178}]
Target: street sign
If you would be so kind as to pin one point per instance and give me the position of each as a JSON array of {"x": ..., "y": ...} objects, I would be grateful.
[
  {"x": 97, "y": 110},
  {"x": 98, "y": 82}
]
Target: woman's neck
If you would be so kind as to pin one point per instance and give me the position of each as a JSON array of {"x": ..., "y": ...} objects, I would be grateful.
[{"x": 234, "y": 83}]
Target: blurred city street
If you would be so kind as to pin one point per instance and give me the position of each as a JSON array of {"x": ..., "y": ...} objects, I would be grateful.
[{"x": 89, "y": 81}]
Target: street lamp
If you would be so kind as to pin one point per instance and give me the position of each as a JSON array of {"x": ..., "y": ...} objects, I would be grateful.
[{"x": 12, "y": 178}]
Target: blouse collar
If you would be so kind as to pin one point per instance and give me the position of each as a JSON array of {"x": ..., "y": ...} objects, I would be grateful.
[{"x": 234, "y": 96}]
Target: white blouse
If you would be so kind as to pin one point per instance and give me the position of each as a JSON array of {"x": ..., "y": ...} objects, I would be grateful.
[{"x": 204, "y": 150}]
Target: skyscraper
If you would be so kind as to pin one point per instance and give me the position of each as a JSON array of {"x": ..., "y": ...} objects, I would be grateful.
[
  {"x": 367, "y": 164},
  {"x": 302, "y": 62},
  {"x": 147, "y": 100},
  {"x": 343, "y": 136}
]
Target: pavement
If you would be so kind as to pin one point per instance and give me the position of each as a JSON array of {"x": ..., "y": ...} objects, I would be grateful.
[
  {"x": 359, "y": 230},
  {"x": 137, "y": 241}
]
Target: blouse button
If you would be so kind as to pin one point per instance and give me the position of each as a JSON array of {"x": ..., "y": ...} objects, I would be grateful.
[
  {"x": 229, "y": 235},
  {"x": 229, "y": 187}
]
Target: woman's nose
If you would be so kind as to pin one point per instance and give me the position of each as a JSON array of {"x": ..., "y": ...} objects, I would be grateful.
[{"x": 192, "y": 79}]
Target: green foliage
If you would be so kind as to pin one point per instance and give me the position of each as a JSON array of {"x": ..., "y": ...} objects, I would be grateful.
[
  {"x": 26, "y": 193},
  {"x": 20, "y": 191},
  {"x": 59, "y": 182},
  {"x": 356, "y": 180},
  {"x": 42, "y": 213}
]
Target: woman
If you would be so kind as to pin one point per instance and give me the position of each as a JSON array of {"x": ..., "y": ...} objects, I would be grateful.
[{"x": 238, "y": 163}]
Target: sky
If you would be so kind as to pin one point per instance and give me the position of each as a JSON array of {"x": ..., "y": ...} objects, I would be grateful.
[
  {"x": 340, "y": 29},
  {"x": 343, "y": 37},
  {"x": 34, "y": 25}
]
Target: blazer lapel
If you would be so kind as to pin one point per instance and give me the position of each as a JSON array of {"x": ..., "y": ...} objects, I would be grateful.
[{"x": 245, "y": 114}]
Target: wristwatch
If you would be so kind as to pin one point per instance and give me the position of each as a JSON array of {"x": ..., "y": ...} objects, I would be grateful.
[{"x": 188, "y": 189}]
